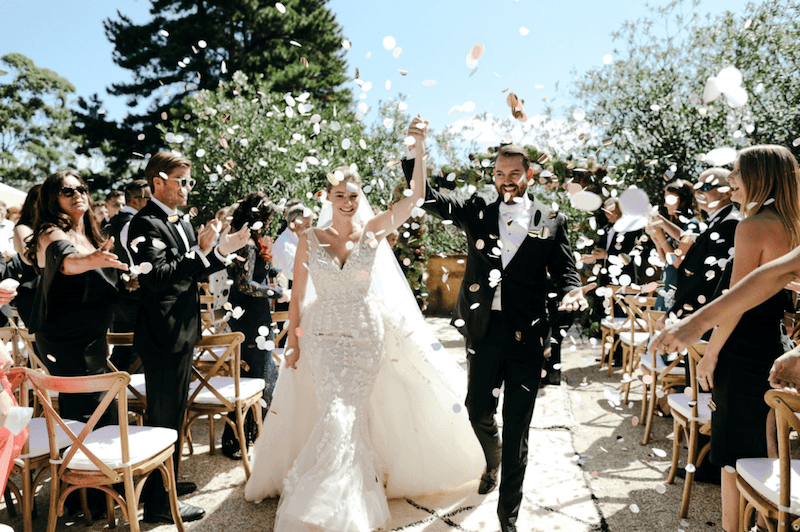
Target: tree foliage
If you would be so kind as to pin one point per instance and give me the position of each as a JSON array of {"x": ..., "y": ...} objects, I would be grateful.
[
  {"x": 191, "y": 45},
  {"x": 34, "y": 122}
]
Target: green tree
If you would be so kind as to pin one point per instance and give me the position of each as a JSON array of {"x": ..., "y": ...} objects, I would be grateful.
[
  {"x": 647, "y": 106},
  {"x": 34, "y": 122},
  {"x": 191, "y": 45}
]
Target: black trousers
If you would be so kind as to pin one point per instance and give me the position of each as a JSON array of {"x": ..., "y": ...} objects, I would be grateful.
[
  {"x": 493, "y": 361},
  {"x": 167, "y": 384},
  {"x": 124, "y": 312}
]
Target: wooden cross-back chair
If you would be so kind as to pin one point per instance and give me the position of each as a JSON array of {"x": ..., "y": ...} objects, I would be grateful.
[
  {"x": 634, "y": 336},
  {"x": 218, "y": 389},
  {"x": 33, "y": 463},
  {"x": 771, "y": 486},
  {"x": 92, "y": 462},
  {"x": 691, "y": 416},
  {"x": 137, "y": 391}
]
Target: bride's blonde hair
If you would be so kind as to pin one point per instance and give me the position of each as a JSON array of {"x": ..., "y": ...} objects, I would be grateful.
[
  {"x": 347, "y": 175},
  {"x": 770, "y": 172}
]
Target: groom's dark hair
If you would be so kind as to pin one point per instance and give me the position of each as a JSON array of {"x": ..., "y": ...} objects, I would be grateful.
[{"x": 512, "y": 150}]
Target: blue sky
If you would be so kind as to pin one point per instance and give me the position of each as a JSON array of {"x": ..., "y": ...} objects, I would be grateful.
[{"x": 435, "y": 37}]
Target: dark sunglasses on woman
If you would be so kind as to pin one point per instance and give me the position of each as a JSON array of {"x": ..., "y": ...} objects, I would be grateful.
[{"x": 68, "y": 192}]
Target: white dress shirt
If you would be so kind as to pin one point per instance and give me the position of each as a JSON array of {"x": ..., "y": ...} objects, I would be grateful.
[
  {"x": 123, "y": 234},
  {"x": 284, "y": 251},
  {"x": 179, "y": 227},
  {"x": 513, "y": 224}
]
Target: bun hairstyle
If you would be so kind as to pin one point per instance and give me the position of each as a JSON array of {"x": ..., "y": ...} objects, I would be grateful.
[
  {"x": 255, "y": 207},
  {"x": 342, "y": 174}
]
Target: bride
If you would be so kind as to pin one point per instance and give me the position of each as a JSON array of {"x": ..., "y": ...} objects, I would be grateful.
[{"x": 365, "y": 408}]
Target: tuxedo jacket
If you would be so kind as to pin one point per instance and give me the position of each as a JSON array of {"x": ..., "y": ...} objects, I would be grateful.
[
  {"x": 694, "y": 279},
  {"x": 169, "y": 316},
  {"x": 624, "y": 245},
  {"x": 546, "y": 249}
]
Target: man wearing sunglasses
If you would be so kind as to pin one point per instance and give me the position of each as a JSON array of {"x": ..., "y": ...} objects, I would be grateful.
[{"x": 168, "y": 324}]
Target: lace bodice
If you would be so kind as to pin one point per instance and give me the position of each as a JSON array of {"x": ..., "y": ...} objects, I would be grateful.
[{"x": 348, "y": 283}]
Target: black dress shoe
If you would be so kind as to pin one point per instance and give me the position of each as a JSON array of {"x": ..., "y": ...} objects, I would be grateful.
[
  {"x": 703, "y": 474},
  {"x": 505, "y": 526},
  {"x": 164, "y": 515},
  {"x": 488, "y": 481},
  {"x": 185, "y": 488}
]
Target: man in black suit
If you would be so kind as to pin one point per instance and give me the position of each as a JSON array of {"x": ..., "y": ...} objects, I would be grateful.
[
  {"x": 514, "y": 242},
  {"x": 126, "y": 309},
  {"x": 172, "y": 261},
  {"x": 698, "y": 274}
]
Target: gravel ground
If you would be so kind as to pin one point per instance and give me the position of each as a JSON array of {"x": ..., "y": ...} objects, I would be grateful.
[{"x": 586, "y": 470}]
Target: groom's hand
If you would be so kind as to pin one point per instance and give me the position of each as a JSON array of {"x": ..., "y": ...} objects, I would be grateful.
[{"x": 576, "y": 298}]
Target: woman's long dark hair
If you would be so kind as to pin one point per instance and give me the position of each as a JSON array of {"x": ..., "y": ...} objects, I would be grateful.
[
  {"x": 255, "y": 207},
  {"x": 50, "y": 216},
  {"x": 27, "y": 215}
]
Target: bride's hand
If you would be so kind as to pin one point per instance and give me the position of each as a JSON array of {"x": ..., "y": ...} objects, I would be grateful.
[{"x": 292, "y": 356}]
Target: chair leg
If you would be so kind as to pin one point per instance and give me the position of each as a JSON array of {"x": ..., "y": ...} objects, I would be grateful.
[
  {"x": 12, "y": 511},
  {"x": 28, "y": 493},
  {"x": 689, "y": 481},
  {"x": 242, "y": 440},
  {"x": 211, "y": 437},
  {"x": 87, "y": 514},
  {"x": 603, "y": 339},
  {"x": 55, "y": 494},
  {"x": 676, "y": 449},
  {"x": 110, "y": 512},
  {"x": 651, "y": 410},
  {"x": 173, "y": 495},
  {"x": 645, "y": 399}
]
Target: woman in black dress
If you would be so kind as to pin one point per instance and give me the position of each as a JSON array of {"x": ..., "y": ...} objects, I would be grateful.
[
  {"x": 764, "y": 181},
  {"x": 251, "y": 292},
  {"x": 25, "y": 273},
  {"x": 72, "y": 304}
]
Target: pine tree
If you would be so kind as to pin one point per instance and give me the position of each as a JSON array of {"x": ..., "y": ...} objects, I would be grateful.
[{"x": 194, "y": 44}]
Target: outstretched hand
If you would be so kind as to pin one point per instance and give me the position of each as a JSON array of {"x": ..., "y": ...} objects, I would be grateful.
[
  {"x": 676, "y": 337},
  {"x": 103, "y": 258},
  {"x": 785, "y": 372},
  {"x": 575, "y": 299}
]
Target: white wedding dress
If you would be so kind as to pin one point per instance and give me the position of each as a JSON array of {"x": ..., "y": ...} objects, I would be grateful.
[{"x": 373, "y": 409}]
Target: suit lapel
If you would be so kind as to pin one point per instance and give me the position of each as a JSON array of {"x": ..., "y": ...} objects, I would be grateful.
[
  {"x": 171, "y": 229},
  {"x": 187, "y": 228},
  {"x": 533, "y": 224}
]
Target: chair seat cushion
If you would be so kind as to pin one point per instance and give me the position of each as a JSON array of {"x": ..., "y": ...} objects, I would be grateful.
[
  {"x": 763, "y": 474},
  {"x": 226, "y": 387},
  {"x": 680, "y": 403},
  {"x": 207, "y": 355},
  {"x": 619, "y": 323},
  {"x": 37, "y": 436},
  {"x": 104, "y": 442},
  {"x": 137, "y": 383},
  {"x": 647, "y": 363},
  {"x": 637, "y": 339}
]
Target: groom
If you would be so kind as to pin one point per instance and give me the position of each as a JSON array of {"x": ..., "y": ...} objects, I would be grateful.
[{"x": 514, "y": 243}]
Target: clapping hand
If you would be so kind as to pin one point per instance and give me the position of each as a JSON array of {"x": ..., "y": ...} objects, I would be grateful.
[
  {"x": 575, "y": 299},
  {"x": 230, "y": 242},
  {"x": 103, "y": 258}
]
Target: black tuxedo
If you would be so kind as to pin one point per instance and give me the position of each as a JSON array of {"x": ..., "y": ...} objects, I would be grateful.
[
  {"x": 126, "y": 309},
  {"x": 694, "y": 282},
  {"x": 505, "y": 347},
  {"x": 623, "y": 244},
  {"x": 168, "y": 323}
]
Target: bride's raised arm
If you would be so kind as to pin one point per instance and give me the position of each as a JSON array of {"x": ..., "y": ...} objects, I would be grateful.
[
  {"x": 386, "y": 222},
  {"x": 298, "y": 294}
]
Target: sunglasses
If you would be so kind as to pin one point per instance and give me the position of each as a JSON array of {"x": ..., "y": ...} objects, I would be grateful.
[
  {"x": 705, "y": 187},
  {"x": 185, "y": 182},
  {"x": 68, "y": 192}
]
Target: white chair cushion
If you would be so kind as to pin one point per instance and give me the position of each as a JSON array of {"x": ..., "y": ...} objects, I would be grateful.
[
  {"x": 208, "y": 357},
  {"x": 647, "y": 363},
  {"x": 619, "y": 323},
  {"x": 763, "y": 474},
  {"x": 143, "y": 442},
  {"x": 638, "y": 338},
  {"x": 38, "y": 443},
  {"x": 226, "y": 388},
  {"x": 138, "y": 384},
  {"x": 679, "y": 402}
]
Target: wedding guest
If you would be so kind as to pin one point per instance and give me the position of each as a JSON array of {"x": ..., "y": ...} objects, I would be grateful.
[
  {"x": 298, "y": 219},
  {"x": 10, "y": 445},
  {"x": 126, "y": 309},
  {"x": 169, "y": 316},
  {"x": 251, "y": 292},
  {"x": 667, "y": 233},
  {"x": 6, "y": 234},
  {"x": 744, "y": 346},
  {"x": 100, "y": 214},
  {"x": 613, "y": 249},
  {"x": 25, "y": 272},
  {"x": 72, "y": 304},
  {"x": 115, "y": 201}
]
